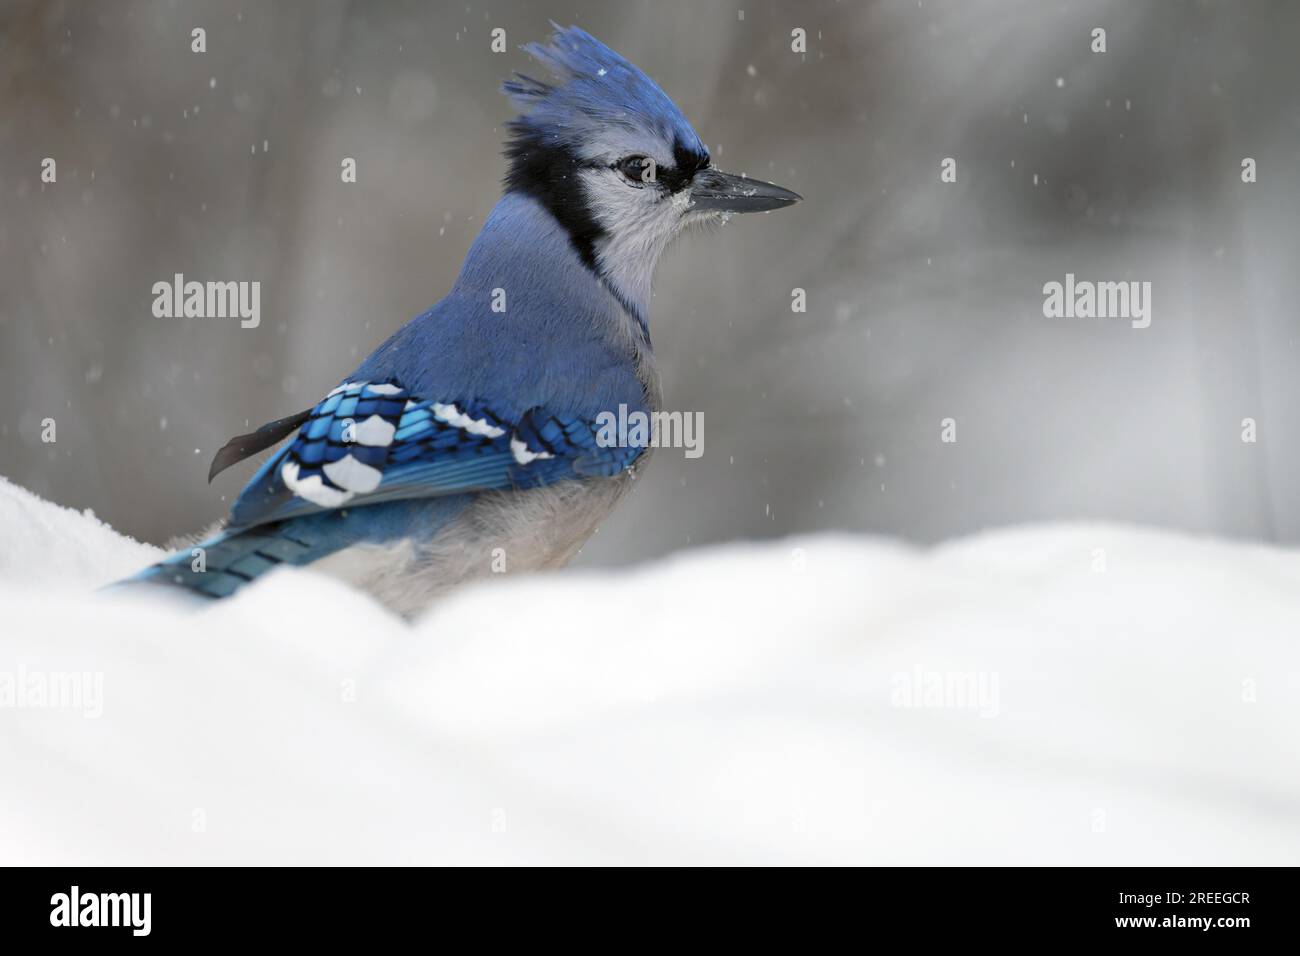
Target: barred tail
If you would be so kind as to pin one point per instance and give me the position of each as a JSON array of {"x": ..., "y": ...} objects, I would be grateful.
[{"x": 224, "y": 563}]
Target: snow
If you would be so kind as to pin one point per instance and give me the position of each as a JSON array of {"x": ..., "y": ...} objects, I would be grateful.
[
  {"x": 48, "y": 546},
  {"x": 1049, "y": 694}
]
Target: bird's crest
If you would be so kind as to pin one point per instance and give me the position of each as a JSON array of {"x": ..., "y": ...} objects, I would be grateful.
[{"x": 598, "y": 103}]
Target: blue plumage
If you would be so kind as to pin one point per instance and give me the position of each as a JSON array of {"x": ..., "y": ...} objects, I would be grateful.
[
  {"x": 369, "y": 442},
  {"x": 469, "y": 440},
  {"x": 556, "y": 344}
]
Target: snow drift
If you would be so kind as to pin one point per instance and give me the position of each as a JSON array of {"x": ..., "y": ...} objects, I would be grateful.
[{"x": 1061, "y": 694}]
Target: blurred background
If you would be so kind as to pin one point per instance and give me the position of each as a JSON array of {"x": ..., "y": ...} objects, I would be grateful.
[{"x": 924, "y": 298}]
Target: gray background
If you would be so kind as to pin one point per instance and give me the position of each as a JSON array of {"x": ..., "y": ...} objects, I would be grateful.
[{"x": 924, "y": 299}]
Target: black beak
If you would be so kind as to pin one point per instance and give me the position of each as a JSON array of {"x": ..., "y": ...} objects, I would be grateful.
[{"x": 713, "y": 189}]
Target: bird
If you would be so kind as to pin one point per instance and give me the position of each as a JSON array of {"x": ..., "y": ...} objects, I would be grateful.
[{"x": 468, "y": 443}]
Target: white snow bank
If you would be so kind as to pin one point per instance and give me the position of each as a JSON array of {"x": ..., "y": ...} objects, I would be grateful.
[{"x": 1053, "y": 695}]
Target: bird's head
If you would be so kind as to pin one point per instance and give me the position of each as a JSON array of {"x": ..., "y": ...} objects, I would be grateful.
[{"x": 615, "y": 161}]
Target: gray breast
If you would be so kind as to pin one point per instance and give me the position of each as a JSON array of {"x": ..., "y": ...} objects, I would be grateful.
[{"x": 499, "y": 533}]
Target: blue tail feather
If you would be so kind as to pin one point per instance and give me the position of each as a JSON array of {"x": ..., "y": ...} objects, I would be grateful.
[
  {"x": 234, "y": 557},
  {"x": 227, "y": 561}
]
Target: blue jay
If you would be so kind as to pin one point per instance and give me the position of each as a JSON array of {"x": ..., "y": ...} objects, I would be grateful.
[{"x": 467, "y": 443}]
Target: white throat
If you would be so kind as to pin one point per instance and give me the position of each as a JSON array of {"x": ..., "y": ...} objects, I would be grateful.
[{"x": 636, "y": 234}]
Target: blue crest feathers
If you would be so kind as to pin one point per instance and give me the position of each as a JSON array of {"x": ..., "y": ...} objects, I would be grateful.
[{"x": 594, "y": 92}]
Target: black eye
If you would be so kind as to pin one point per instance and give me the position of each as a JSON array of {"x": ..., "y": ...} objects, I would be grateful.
[{"x": 637, "y": 169}]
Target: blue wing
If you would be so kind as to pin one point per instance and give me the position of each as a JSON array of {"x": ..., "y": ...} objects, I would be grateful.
[{"x": 369, "y": 442}]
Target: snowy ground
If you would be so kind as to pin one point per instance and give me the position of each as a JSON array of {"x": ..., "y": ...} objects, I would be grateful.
[{"x": 1058, "y": 694}]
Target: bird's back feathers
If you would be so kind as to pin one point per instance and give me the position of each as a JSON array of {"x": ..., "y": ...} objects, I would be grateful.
[{"x": 526, "y": 324}]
